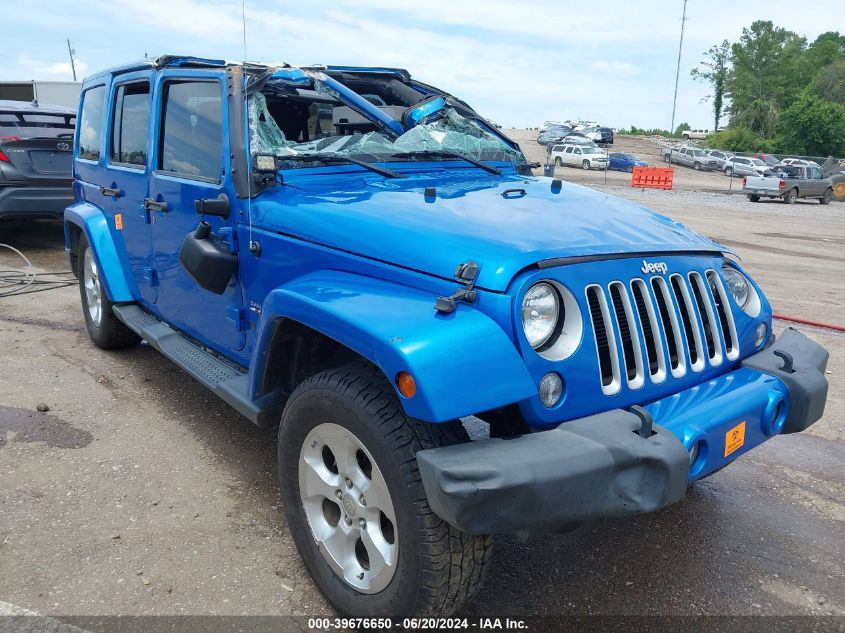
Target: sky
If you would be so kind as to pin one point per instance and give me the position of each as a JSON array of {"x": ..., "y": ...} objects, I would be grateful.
[{"x": 517, "y": 62}]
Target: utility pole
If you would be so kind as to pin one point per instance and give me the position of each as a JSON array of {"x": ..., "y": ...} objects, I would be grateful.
[
  {"x": 678, "y": 69},
  {"x": 71, "y": 52}
]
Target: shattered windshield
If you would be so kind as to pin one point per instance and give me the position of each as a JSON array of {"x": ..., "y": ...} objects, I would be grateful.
[{"x": 290, "y": 126}]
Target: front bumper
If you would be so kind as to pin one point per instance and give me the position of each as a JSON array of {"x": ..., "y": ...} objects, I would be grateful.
[
  {"x": 36, "y": 201},
  {"x": 598, "y": 466}
]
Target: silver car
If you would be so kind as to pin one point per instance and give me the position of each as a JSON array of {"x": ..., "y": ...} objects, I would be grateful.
[
  {"x": 742, "y": 166},
  {"x": 722, "y": 157}
]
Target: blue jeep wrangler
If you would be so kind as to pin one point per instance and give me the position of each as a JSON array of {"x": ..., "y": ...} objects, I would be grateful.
[{"x": 361, "y": 259}]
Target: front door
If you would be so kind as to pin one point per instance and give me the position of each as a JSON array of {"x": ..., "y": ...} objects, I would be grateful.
[{"x": 191, "y": 163}]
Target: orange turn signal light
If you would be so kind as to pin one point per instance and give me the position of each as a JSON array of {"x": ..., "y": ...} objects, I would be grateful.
[{"x": 406, "y": 383}]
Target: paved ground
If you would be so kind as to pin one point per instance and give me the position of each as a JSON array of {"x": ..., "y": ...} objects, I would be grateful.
[{"x": 140, "y": 493}]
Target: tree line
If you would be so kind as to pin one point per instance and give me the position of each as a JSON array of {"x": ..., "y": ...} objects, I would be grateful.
[{"x": 778, "y": 92}]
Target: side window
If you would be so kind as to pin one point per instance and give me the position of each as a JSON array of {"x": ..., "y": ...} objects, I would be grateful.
[
  {"x": 577, "y": 151},
  {"x": 91, "y": 123},
  {"x": 130, "y": 123},
  {"x": 568, "y": 150},
  {"x": 192, "y": 132}
]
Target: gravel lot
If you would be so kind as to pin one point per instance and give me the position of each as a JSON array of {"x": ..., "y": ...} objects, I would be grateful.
[{"x": 138, "y": 492}]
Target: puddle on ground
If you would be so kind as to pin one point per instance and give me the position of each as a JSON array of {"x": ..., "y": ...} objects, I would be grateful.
[{"x": 34, "y": 426}]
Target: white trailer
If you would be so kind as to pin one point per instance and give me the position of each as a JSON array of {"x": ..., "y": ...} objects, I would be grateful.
[{"x": 65, "y": 93}]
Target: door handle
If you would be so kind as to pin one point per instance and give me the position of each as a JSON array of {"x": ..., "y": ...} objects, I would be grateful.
[
  {"x": 111, "y": 193},
  {"x": 154, "y": 205}
]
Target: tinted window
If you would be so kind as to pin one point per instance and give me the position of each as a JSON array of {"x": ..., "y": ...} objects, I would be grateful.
[
  {"x": 91, "y": 123},
  {"x": 37, "y": 125},
  {"x": 129, "y": 128},
  {"x": 192, "y": 135}
]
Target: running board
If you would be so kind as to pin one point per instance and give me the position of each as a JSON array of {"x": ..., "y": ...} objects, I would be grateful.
[{"x": 224, "y": 379}]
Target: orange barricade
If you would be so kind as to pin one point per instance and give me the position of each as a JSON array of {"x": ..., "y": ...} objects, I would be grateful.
[{"x": 652, "y": 177}]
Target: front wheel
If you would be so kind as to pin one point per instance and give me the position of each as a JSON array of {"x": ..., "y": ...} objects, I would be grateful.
[
  {"x": 104, "y": 328},
  {"x": 585, "y": 164},
  {"x": 356, "y": 506},
  {"x": 729, "y": 172},
  {"x": 791, "y": 196},
  {"x": 828, "y": 194},
  {"x": 630, "y": 169}
]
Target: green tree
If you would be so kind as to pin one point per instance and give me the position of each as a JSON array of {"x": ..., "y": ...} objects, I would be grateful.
[
  {"x": 829, "y": 83},
  {"x": 680, "y": 129},
  {"x": 714, "y": 70},
  {"x": 827, "y": 49},
  {"x": 812, "y": 126},
  {"x": 767, "y": 72}
]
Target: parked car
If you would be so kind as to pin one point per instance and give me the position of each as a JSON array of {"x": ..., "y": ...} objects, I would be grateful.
[
  {"x": 772, "y": 161},
  {"x": 583, "y": 156},
  {"x": 693, "y": 157},
  {"x": 554, "y": 133},
  {"x": 600, "y": 135},
  {"x": 799, "y": 162},
  {"x": 796, "y": 181},
  {"x": 695, "y": 134},
  {"x": 621, "y": 161},
  {"x": 320, "y": 280},
  {"x": 577, "y": 139},
  {"x": 36, "y": 143},
  {"x": 744, "y": 166},
  {"x": 722, "y": 158}
]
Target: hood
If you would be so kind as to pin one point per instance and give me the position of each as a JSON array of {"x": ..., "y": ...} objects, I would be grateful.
[{"x": 469, "y": 218}]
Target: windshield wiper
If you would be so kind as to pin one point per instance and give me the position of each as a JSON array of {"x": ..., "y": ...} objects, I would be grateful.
[
  {"x": 429, "y": 153},
  {"x": 330, "y": 157}
]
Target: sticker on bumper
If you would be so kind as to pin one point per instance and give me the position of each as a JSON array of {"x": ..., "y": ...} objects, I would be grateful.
[{"x": 735, "y": 438}]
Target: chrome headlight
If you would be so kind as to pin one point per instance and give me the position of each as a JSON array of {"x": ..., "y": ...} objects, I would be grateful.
[
  {"x": 738, "y": 285},
  {"x": 540, "y": 313}
]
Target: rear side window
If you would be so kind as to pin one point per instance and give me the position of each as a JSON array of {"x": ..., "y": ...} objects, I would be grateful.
[
  {"x": 91, "y": 123},
  {"x": 192, "y": 134},
  {"x": 129, "y": 128}
]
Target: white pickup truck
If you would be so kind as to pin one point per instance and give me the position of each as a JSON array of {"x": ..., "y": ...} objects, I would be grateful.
[{"x": 792, "y": 183}]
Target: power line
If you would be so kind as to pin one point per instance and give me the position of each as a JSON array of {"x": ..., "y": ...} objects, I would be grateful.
[{"x": 678, "y": 69}]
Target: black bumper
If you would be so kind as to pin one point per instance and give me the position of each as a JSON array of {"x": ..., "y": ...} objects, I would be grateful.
[
  {"x": 38, "y": 201},
  {"x": 585, "y": 469},
  {"x": 799, "y": 363},
  {"x": 596, "y": 466}
]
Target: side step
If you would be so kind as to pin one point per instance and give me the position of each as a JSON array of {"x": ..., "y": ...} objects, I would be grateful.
[{"x": 227, "y": 381}]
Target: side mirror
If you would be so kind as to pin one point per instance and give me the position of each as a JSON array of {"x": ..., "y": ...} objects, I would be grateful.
[
  {"x": 207, "y": 259},
  {"x": 218, "y": 206},
  {"x": 425, "y": 109}
]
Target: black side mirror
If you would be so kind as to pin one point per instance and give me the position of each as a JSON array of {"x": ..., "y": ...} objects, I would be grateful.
[
  {"x": 218, "y": 206},
  {"x": 207, "y": 259}
]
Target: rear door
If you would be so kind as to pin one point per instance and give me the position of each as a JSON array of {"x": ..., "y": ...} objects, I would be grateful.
[
  {"x": 815, "y": 185},
  {"x": 127, "y": 174},
  {"x": 191, "y": 162}
]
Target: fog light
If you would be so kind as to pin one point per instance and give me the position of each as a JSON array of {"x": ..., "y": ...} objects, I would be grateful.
[
  {"x": 551, "y": 389},
  {"x": 760, "y": 335}
]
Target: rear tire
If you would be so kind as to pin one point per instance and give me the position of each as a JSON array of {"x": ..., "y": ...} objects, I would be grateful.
[
  {"x": 754, "y": 198},
  {"x": 558, "y": 161},
  {"x": 104, "y": 328},
  {"x": 828, "y": 194},
  {"x": 697, "y": 166},
  {"x": 790, "y": 196},
  {"x": 585, "y": 165},
  {"x": 436, "y": 567},
  {"x": 630, "y": 169},
  {"x": 666, "y": 158}
]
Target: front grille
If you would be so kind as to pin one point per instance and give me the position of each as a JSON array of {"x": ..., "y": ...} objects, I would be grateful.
[{"x": 651, "y": 330}]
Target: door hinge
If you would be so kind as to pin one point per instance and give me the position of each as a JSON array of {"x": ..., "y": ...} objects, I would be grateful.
[
  {"x": 237, "y": 316},
  {"x": 151, "y": 275}
]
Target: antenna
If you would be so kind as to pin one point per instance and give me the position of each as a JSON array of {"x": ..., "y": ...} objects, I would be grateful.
[
  {"x": 71, "y": 52},
  {"x": 254, "y": 247},
  {"x": 243, "y": 19},
  {"x": 678, "y": 69}
]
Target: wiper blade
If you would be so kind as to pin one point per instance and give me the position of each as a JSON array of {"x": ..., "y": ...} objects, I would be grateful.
[
  {"x": 428, "y": 153},
  {"x": 330, "y": 157}
]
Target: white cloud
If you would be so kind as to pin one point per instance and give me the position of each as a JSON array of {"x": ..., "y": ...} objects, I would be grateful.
[
  {"x": 39, "y": 69},
  {"x": 520, "y": 63}
]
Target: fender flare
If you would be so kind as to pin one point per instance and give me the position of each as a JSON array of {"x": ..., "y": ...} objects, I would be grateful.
[
  {"x": 94, "y": 224},
  {"x": 463, "y": 362}
]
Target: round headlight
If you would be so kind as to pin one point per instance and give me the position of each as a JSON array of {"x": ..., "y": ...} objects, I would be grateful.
[
  {"x": 737, "y": 285},
  {"x": 540, "y": 311}
]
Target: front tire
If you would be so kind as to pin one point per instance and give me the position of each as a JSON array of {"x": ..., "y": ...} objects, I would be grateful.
[
  {"x": 349, "y": 481},
  {"x": 729, "y": 172},
  {"x": 104, "y": 328},
  {"x": 825, "y": 199}
]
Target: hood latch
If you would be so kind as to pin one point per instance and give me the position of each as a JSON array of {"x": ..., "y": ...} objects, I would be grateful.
[{"x": 465, "y": 273}]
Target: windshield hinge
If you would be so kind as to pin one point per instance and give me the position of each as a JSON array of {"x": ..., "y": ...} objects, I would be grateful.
[{"x": 466, "y": 274}]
